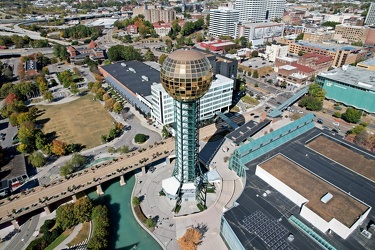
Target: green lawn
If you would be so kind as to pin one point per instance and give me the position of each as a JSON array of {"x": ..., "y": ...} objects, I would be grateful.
[
  {"x": 250, "y": 100},
  {"x": 60, "y": 239}
]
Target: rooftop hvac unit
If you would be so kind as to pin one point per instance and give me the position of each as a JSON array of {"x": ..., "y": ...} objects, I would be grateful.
[
  {"x": 132, "y": 70},
  {"x": 123, "y": 64},
  {"x": 145, "y": 78},
  {"x": 327, "y": 197}
]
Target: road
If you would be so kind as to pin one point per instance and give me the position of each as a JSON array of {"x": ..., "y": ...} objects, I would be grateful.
[
  {"x": 85, "y": 180},
  {"x": 25, "y": 52},
  {"x": 27, "y": 230}
]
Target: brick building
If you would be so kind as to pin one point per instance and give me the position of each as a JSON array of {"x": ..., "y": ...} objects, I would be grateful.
[{"x": 79, "y": 53}]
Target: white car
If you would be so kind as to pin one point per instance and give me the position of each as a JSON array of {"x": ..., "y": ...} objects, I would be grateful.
[
  {"x": 300, "y": 111},
  {"x": 336, "y": 123}
]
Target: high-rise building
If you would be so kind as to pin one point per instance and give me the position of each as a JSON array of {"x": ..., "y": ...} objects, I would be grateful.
[
  {"x": 260, "y": 10},
  {"x": 186, "y": 76},
  {"x": 370, "y": 18},
  {"x": 222, "y": 21}
]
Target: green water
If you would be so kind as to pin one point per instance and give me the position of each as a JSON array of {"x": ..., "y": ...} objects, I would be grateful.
[{"x": 125, "y": 232}]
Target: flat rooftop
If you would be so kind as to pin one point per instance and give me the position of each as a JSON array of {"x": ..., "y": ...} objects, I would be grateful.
[
  {"x": 14, "y": 168},
  {"x": 369, "y": 62},
  {"x": 342, "y": 207},
  {"x": 346, "y": 156},
  {"x": 133, "y": 79},
  {"x": 277, "y": 205},
  {"x": 354, "y": 76},
  {"x": 331, "y": 47}
]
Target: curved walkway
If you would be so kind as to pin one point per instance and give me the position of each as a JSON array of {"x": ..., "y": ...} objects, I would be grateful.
[
  {"x": 64, "y": 244},
  {"x": 170, "y": 228}
]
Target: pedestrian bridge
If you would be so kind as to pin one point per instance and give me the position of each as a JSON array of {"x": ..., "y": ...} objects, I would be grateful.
[{"x": 43, "y": 196}]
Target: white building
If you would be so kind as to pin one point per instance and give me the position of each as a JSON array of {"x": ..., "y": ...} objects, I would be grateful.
[
  {"x": 260, "y": 10},
  {"x": 258, "y": 33},
  {"x": 218, "y": 98},
  {"x": 275, "y": 50},
  {"x": 370, "y": 18},
  {"x": 222, "y": 21}
]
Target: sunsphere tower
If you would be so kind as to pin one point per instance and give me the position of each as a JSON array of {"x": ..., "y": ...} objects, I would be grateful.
[{"x": 186, "y": 75}]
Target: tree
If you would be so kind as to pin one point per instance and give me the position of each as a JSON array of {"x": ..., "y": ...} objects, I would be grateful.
[
  {"x": 337, "y": 114},
  {"x": 300, "y": 53},
  {"x": 352, "y": 115},
  {"x": 78, "y": 160},
  {"x": 58, "y": 147},
  {"x": 255, "y": 74},
  {"x": 48, "y": 96},
  {"x": 65, "y": 216},
  {"x": 243, "y": 41},
  {"x": 11, "y": 97},
  {"x": 254, "y": 53},
  {"x": 45, "y": 70},
  {"x": 299, "y": 37},
  {"x": 74, "y": 88},
  {"x": 24, "y": 117},
  {"x": 191, "y": 239},
  {"x": 108, "y": 104},
  {"x": 117, "y": 107},
  {"x": 83, "y": 209},
  {"x": 140, "y": 138},
  {"x": 40, "y": 140},
  {"x": 136, "y": 201},
  {"x": 150, "y": 222},
  {"x": 27, "y": 139},
  {"x": 66, "y": 169},
  {"x": 37, "y": 159},
  {"x": 149, "y": 56},
  {"x": 165, "y": 132},
  {"x": 316, "y": 91},
  {"x": 121, "y": 52},
  {"x": 311, "y": 103}
]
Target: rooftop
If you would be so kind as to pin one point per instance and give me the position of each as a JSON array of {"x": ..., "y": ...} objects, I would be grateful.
[
  {"x": 342, "y": 206},
  {"x": 131, "y": 76},
  {"x": 354, "y": 76},
  {"x": 330, "y": 47},
  {"x": 369, "y": 62}
]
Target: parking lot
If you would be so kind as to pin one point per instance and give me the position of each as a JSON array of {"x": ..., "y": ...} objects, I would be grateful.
[{"x": 256, "y": 62}]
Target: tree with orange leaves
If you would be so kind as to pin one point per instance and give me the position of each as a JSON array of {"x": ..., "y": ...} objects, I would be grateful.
[
  {"x": 58, "y": 147},
  {"x": 11, "y": 97},
  {"x": 190, "y": 240}
]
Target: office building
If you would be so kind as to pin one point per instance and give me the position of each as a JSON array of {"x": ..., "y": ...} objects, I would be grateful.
[
  {"x": 222, "y": 21},
  {"x": 258, "y": 33},
  {"x": 275, "y": 50},
  {"x": 260, "y": 10},
  {"x": 370, "y": 18},
  {"x": 352, "y": 86},
  {"x": 218, "y": 98},
  {"x": 368, "y": 64}
]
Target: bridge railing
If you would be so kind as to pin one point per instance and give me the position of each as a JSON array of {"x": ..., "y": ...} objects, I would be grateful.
[{"x": 72, "y": 190}]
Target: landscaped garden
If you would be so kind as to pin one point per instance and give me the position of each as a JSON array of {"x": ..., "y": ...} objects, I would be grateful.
[{"x": 82, "y": 121}]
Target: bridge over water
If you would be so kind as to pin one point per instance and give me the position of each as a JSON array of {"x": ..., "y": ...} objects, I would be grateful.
[{"x": 42, "y": 197}]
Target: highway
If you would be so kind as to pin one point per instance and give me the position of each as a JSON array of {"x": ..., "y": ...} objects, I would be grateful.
[{"x": 84, "y": 179}]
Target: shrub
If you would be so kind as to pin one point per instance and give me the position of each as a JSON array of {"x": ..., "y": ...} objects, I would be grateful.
[{"x": 140, "y": 138}]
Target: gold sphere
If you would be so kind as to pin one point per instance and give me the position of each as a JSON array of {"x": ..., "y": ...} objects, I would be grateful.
[{"x": 186, "y": 75}]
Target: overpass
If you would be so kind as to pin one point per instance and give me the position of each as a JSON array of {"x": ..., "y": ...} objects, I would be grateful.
[{"x": 44, "y": 196}]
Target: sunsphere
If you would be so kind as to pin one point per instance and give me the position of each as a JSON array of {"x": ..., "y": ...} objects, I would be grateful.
[{"x": 186, "y": 75}]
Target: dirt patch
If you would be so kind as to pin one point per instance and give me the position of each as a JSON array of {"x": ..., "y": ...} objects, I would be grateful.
[
  {"x": 82, "y": 121},
  {"x": 345, "y": 156},
  {"x": 82, "y": 235},
  {"x": 342, "y": 207}
]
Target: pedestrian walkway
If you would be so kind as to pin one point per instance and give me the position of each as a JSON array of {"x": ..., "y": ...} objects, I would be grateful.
[
  {"x": 64, "y": 244},
  {"x": 169, "y": 227}
]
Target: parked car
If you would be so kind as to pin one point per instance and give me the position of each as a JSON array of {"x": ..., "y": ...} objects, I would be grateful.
[
  {"x": 336, "y": 123},
  {"x": 320, "y": 121}
]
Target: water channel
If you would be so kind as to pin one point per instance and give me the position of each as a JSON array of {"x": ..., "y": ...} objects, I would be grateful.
[{"x": 125, "y": 231}]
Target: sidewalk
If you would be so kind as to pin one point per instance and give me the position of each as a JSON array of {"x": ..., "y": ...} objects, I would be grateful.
[{"x": 63, "y": 245}]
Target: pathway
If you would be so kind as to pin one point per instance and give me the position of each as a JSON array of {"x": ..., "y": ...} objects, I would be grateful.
[{"x": 64, "y": 244}]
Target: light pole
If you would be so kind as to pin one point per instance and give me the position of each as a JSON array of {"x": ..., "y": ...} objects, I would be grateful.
[{"x": 23, "y": 240}]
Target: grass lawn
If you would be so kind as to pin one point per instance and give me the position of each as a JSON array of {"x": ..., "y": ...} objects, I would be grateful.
[
  {"x": 82, "y": 235},
  {"x": 60, "y": 239},
  {"x": 249, "y": 100},
  {"x": 82, "y": 121}
]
